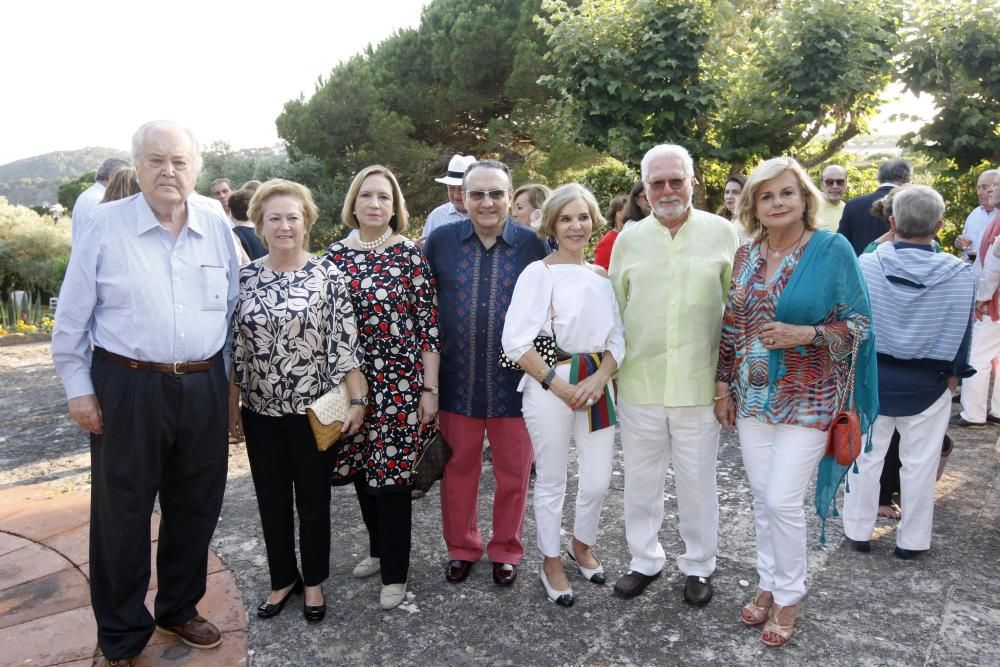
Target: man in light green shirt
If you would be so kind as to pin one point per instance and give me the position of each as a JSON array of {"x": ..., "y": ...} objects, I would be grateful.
[
  {"x": 671, "y": 273},
  {"x": 833, "y": 183}
]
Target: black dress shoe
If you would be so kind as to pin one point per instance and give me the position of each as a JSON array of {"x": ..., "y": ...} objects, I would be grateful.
[
  {"x": 268, "y": 610},
  {"x": 633, "y": 583},
  {"x": 698, "y": 590},
  {"x": 907, "y": 554},
  {"x": 458, "y": 570},
  {"x": 864, "y": 546},
  {"x": 314, "y": 614},
  {"x": 504, "y": 574}
]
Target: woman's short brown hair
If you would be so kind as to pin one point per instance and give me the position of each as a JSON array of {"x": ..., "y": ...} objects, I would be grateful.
[
  {"x": 400, "y": 220},
  {"x": 563, "y": 195},
  {"x": 746, "y": 207},
  {"x": 537, "y": 194},
  {"x": 279, "y": 187}
]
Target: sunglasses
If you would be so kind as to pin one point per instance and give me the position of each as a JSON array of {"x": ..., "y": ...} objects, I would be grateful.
[
  {"x": 480, "y": 195},
  {"x": 673, "y": 183},
  {"x": 834, "y": 181}
]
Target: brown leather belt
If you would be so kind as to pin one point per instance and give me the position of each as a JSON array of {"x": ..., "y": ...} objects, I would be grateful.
[{"x": 176, "y": 368}]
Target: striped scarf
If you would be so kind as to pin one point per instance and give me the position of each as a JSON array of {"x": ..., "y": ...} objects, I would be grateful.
[{"x": 602, "y": 413}]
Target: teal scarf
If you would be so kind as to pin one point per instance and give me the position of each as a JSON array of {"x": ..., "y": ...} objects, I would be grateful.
[{"x": 828, "y": 274}]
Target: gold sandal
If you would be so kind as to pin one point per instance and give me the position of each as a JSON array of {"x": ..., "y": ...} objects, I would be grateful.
[
  {"x": 781, "y": 624},
  {"x": 757, "y": 610}
]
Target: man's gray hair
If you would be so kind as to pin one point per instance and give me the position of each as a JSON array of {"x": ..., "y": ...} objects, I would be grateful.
[
  {"x": 109, "y": 168},
  {"x": 896, "y": 171},
  {"x": 487, "y": 164},
  {"x": 917, "y": 210},
  {"x": 140, "y": 136},
  {"x": 667, "y": 150},
  {"x": 221, "y": 180}
]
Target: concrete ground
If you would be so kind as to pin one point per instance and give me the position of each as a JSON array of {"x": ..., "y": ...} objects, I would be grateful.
[{"x": 863, "y": 609}]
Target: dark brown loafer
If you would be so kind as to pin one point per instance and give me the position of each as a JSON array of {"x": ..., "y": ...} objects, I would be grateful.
[
  {"x": 633, "y": 583},
  {"x": 504, "y": 574},
  {"x": 698, "y": 590},
  {"x": 120, "y": 662},
  {"x": 458, "y": 570},
  {"x": 196, "y": 633}
]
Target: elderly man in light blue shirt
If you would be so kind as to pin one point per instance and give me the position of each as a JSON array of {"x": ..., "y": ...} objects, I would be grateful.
[{"x": 138, "y": 342}]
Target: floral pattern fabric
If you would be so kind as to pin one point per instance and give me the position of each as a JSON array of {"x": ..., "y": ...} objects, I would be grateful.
[
  {"x": 396, "y": 307},
  {"x": 294, "y": 336}
]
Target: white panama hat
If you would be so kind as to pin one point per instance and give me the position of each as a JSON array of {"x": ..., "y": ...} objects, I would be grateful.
[{"x": 456, "y": 169}]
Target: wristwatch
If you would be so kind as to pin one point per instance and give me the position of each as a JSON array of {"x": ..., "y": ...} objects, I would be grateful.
[
  {"x": 363, "y": 401},
  {"x": 433, "y": 391},
  {"x": 819, "y": 338}
]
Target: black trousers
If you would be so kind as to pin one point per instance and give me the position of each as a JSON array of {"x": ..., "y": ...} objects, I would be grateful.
[
  {"x": 287, "y": 469},
  {"x": 387, "y": 516},
  {"x": 163, "y": 434}
]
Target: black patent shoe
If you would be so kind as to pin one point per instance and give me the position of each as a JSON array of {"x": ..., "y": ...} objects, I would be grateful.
[
  {"x": 314, "y": 614},
  {"x": 269, "y": 610}
]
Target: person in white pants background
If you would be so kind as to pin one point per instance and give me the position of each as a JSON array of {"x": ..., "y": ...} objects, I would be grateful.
[
  {"x": 566, "y": 298},
  {"x": 922, "y": 317}
]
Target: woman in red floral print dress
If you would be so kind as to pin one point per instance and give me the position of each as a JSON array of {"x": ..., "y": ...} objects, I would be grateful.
[{"x": 396, "y": 311}]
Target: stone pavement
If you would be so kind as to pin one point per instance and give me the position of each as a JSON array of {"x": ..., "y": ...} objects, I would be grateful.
[{"x": 864, "y": 609}]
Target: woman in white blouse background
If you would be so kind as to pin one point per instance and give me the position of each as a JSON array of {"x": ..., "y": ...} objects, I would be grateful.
[
  {"x": 294, "y": 339},
  {"x": 566, "y": 297}
]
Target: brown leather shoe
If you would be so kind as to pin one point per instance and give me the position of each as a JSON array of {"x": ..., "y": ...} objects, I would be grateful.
[
  {"x": 633, "y": 583},
  {"x": 504, "y": 574},
  {"x": 458, "y": 570},
  {"x": 196, "y": 633}
]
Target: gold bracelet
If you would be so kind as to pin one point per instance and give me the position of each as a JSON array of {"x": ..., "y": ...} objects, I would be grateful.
[
  {"x": 719, "y": 398},
  {"x": 541, "y": 374}
]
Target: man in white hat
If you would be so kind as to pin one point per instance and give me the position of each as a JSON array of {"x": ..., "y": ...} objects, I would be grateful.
[{"x": 454, "y": 209}]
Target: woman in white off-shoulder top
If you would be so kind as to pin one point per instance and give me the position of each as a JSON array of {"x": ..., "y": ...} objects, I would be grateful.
[{"x": 566, "y": 297}]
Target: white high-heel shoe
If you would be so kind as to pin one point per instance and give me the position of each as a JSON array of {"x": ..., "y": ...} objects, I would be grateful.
[
  {"x": 392, "y": 595},
  {"x": 367, "y": 567},
  {"x": 561, "y": 598}
]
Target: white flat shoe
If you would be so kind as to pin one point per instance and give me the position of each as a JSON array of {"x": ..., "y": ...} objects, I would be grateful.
[
  {"x": 392, "y": 595},
  {"x": 367, "y": 567},
  {"x": 561, "y": 598},
  {"x": 595, "y": 576}
]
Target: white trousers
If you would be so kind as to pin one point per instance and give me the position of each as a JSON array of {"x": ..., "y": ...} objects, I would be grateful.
[
  {"x": 920, "y": 439},
  {"x": 780, "y": 461},
  {"x": 550, "y": 424},
  {"x": 688, "y": 437},
  {"x": 985, "y": 347}
]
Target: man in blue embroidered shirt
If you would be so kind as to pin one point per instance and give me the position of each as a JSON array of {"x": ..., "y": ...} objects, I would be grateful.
[
  {"x": 476, "y": 263},
  {"x": 151, "y": 286}
]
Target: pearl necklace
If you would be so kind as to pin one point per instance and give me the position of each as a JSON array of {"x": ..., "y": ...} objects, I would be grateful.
[{"x": 371, "y": 245}]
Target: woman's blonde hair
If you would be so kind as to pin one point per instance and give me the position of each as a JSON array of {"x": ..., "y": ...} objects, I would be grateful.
[
  {"x": 562, "y": 196},
  {"x": 537, "y": 194},
  {"x": 400, "y": 220},
  {"x": 277, "y": 187},
  {"x": 746, "y": 207}
]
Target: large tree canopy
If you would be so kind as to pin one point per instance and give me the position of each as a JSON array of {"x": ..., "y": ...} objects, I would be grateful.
[
  {"x": 732, "y": 81},
  {"x": 953, "y": 53}
]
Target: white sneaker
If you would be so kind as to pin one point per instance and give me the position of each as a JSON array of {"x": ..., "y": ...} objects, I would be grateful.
[
  {"x": 367, "y": 567},
  {"x": 392, "y": 595}
]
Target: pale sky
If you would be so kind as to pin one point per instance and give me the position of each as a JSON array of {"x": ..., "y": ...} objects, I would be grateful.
[{"x": 79, "y": 74}]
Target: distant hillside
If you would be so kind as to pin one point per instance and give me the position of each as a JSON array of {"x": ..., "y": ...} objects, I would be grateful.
[{"x": 34, "y": 181}]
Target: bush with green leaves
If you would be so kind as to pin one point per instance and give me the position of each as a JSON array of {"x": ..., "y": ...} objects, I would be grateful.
[{"x": 34, "y": 250}]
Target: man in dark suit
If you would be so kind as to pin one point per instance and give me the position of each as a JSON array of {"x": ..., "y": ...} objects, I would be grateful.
[{"x": 858, "y": 224}]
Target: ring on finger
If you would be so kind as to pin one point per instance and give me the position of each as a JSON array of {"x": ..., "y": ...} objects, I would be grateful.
[{"x": 590, "y": 401}]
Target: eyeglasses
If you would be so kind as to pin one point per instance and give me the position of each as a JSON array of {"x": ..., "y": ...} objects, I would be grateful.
[
  {"x": 834, "y": 181},
  {"x": 673, "y": 183},
  {"x": 480, "y": 195}
]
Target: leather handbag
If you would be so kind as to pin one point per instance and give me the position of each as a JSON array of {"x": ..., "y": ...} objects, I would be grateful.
[
  {"x": 327, "y": 414},
  {"x": 843, "y": 439},
  {"x": 434, "y": 455}
]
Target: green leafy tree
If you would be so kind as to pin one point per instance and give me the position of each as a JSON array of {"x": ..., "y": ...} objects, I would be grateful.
[
  {"x": 953, "y": 53},
  {"x": 70, "y": 190},
  {"x": 732, "y": 82},
  {"x": 33, "y": 250}
]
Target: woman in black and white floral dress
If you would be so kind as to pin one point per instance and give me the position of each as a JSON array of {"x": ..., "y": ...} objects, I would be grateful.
[
  {"x": 294, "y": 339},
  {"x": 396, "y": 309}
]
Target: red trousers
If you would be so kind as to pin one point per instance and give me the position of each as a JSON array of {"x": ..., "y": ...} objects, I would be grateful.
[{"x": 460, "y": 487}]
